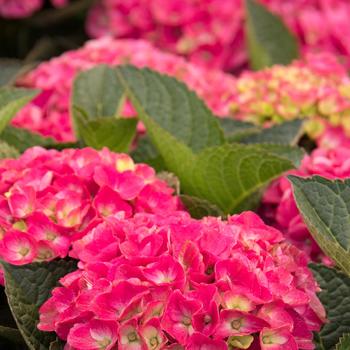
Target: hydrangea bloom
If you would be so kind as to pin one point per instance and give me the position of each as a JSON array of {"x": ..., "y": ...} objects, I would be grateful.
[
  {"x": 279, "y": 206},
  {"x": 49, "y": 199},
  {"x": 24, "y": 8},
  {"x": 156, "y": 282},
  {"x": 48, "y": 114},
  {"x": 317, "y": 87},
  {"x": 211, "y": 32},
  {"x": 333, "y": 137}
]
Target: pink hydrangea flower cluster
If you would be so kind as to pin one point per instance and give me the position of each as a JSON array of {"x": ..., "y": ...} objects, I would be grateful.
[
  {"x": 172, "y": 282},
  {"x": 211, "y": 32},
  {"x": 317, "y": 88},
  {"x": 279, "y": 207},
  {"x": 49, "y": 198},
  {"x": 48, "y": 114},
  {"x": 24, "y": 8}
]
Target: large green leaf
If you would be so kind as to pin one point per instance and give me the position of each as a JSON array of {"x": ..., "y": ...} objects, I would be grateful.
[
  {"x": 335, "y": 296},
  {"x": 269, "y": 41},
  {"x": 22, "y": 139},
  {"x": 172, "y": 106},
  {"x": 96, "y": 93},
  {"x": 190, "y": 141},
  {"x": 325, "y": 208},
  {"x": 116, "y": 134},
  {"x": 27, "y": 288},
  {"x": 287, "y": 133},
  {"x": 344, "y": 342},
  {"x": 11, "y": 101},
  {"x": 229, "y": 175}
]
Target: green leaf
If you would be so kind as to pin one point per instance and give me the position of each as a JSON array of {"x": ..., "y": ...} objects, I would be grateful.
[
  {"x": 335, "y": 296},
  {"x": 226, "y": 175},
  {"x": 27, "y": 288},
  {"x": 344, "y": 342},
  {"x": 96, "y": 94},
  {"x": 325, "y": 208},
  {"x": 22, "y": 139},
  {"x": 172, "y": 106},
  {"x": 145, "y": 152},
  {"x": 11, "y": 334},
  {"x": 288, "y": 133},
  {"x": 7, "y": 151},
  {"x": 116, "y": 134},
  {"x": 268, "y": 40},
  {"x": 198, "y": 207},
  {"x": 11, "y": 101},
  {"x": 96, "y": 102},
  {"x": 229, "y": 175}
]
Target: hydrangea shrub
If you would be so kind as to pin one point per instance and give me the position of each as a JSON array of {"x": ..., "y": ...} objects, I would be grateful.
[
  {"x": 138, "y": 271},
  {"x": 172, "y": 282}
]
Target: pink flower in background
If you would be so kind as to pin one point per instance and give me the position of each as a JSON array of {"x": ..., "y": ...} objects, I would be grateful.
[
  {"x": 48, "y": 199},
  {"x": 19, "y": 8},
  {"x": 279, "y": 207},
  {"x": 316, "y": 88},
  {"x": 24, "y": 8},
  {"x": 49, "y": 115},
  {"x": 256, "y": 294},
  {"x": 211, "y": 33}
]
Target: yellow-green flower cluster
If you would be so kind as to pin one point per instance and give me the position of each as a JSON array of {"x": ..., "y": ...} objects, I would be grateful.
[{"x": 317, "y": 88}]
